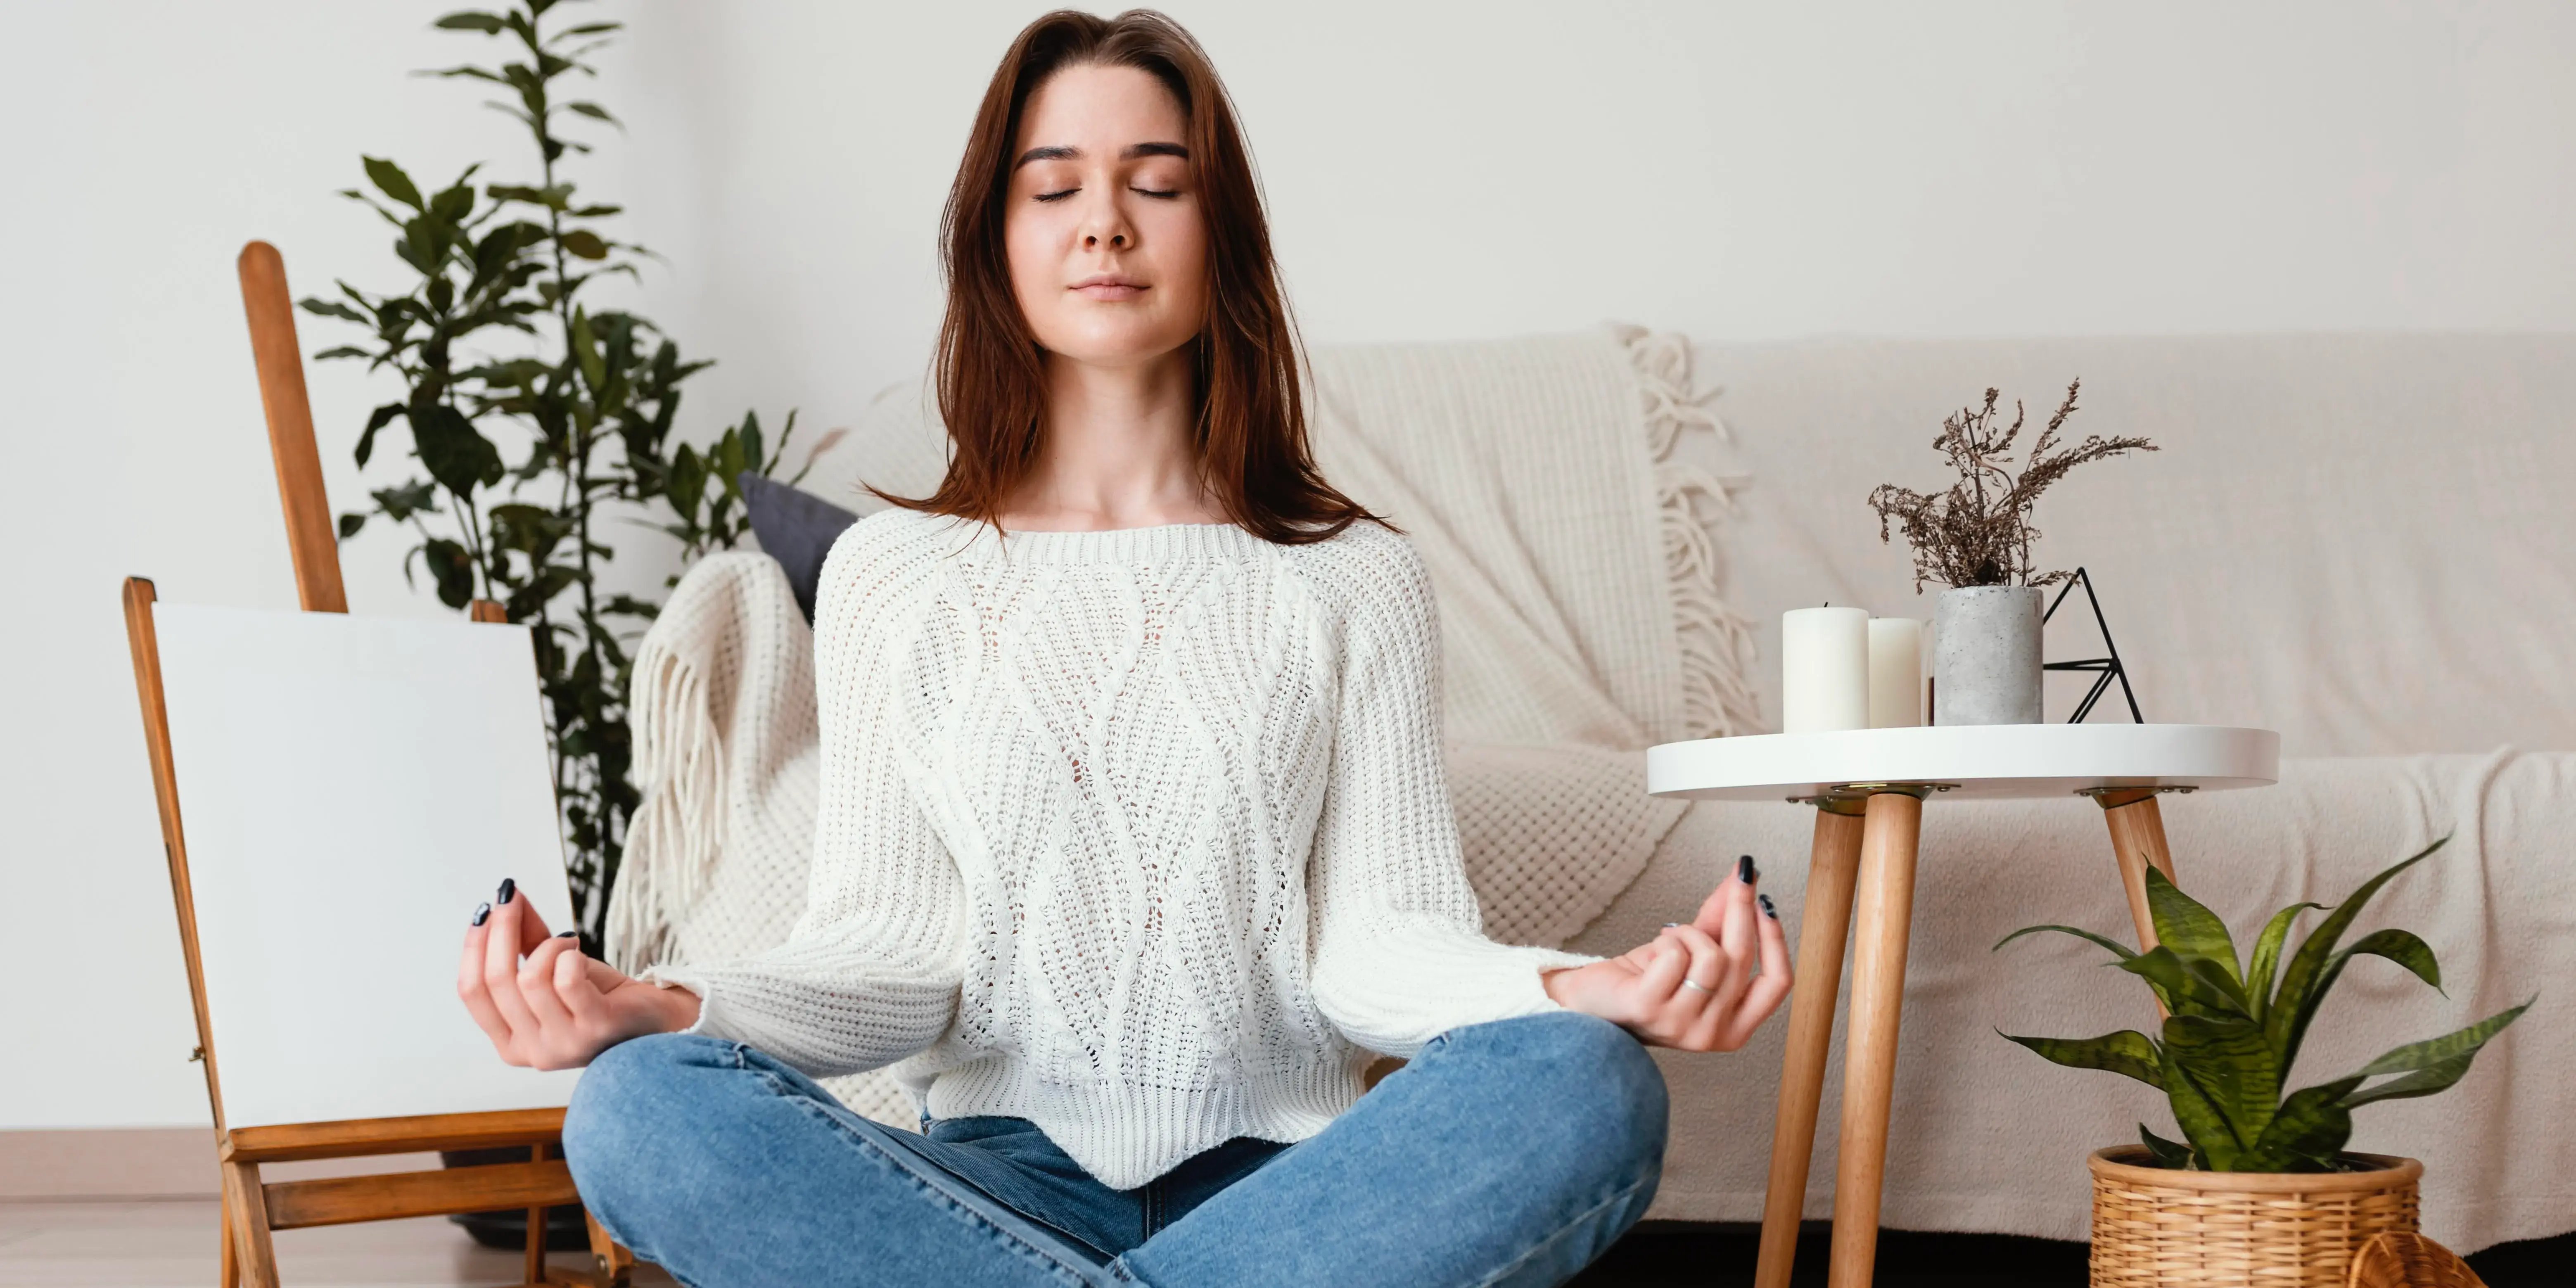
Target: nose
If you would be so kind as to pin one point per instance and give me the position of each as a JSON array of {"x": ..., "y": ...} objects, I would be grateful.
[{"x": 1105, "y": 227}]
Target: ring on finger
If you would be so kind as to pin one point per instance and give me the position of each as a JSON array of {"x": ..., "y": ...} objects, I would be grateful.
[{"x": 1692, "y": 983}]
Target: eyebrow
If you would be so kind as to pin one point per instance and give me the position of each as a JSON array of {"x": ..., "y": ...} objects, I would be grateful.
[{"x": 1133, "y": 151}]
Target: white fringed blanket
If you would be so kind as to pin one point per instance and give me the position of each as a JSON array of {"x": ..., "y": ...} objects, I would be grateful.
[
  {"x": 1581, "y": 623},
  {"x": 1578, "y": 585}
]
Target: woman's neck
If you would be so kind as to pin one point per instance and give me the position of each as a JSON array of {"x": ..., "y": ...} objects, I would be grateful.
[{"x": 1117, "y": 452}]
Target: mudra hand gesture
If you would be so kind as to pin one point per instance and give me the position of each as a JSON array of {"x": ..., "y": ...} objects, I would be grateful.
[
  {"x": 1693, "y": 986},
  {"x": 545, "y": 1003}
]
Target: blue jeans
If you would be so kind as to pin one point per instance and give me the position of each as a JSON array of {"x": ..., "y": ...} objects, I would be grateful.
[{"x": 1510, "y": 1153}]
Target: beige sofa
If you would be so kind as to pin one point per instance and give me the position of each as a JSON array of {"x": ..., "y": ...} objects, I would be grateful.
[{"x": 2365, "y": 542}]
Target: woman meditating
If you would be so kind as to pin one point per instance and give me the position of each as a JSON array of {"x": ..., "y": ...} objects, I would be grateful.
[{"x": 1135, "y": 845}]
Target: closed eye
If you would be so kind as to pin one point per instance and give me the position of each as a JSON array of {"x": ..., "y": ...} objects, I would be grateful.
[
  {"x": 1164, "y": 193},
  {"x": 1057, "y": 196}
]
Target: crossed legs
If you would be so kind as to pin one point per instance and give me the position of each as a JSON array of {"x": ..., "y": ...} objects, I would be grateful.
[{"x": 1509, "y": 1153}]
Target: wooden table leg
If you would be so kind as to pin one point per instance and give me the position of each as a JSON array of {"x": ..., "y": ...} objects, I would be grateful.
[
  {"x": 2137, "y": 826},
  {"x": 1894, "y": 824},
  {"x": 1832, "y": 863}
]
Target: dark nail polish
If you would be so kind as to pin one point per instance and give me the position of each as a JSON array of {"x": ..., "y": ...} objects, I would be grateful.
[
  {"x": 1745, "y": 871},
  {"x": 1767, "y": 910},
  {"x": 509, "y": 889},
  {"x": 481, "y": 911},
  {"x": 568, "y": 934}
]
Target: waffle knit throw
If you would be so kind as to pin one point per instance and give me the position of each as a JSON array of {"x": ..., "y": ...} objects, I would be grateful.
[{"x": 1577, "y": 621}]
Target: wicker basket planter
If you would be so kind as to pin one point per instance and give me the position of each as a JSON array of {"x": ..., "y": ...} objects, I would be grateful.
[{"x": 2156, "y": 1227}]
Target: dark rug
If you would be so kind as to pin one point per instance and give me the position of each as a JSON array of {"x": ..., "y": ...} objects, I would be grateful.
[{"x": 1676, "y": 1253}]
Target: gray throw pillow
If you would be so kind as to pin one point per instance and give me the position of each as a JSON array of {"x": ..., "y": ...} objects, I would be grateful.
[{"x": 795, "y": 527}]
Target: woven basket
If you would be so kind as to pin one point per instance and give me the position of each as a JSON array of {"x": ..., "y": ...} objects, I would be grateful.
[
  {"x": 2396, "y": 1259},
  {"x": 2156, "y": 1227}
]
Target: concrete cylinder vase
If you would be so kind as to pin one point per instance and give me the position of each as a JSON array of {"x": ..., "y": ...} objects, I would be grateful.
[{"x": 1985, "y": 656}]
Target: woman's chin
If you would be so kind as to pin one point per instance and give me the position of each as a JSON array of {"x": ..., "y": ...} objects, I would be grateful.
[{"x": 1116, "y": 346}]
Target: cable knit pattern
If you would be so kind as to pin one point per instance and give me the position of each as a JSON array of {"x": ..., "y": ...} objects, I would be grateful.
[{"x": 1141, "y": 834}]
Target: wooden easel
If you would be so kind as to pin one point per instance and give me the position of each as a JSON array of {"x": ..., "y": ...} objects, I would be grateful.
[{"x": 253, "y": 1208}]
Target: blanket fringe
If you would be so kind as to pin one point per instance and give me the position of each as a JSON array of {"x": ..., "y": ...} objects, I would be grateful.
[
  {"x": 1716, "y": 641},
  {"x": 676, "y": 839}
]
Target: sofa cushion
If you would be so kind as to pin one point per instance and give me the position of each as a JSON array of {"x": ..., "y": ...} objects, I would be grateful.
[{"x": 797, "y": 528}]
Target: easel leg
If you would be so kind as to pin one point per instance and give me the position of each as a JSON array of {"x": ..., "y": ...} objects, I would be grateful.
[
  {"x": 613, "y": 1262},
  {"x": 1832, "y": 863},
  {"x": 1886, "y": 913},
  {"x": 2137, "y": 826},
  {"x": 536, "y": 1265},
  {"x": 224, "y": 1236},
  {"x": 247, "y": 1206}
]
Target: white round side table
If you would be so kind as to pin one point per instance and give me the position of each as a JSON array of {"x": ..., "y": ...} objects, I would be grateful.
[{"x": 1868, "y": 787}]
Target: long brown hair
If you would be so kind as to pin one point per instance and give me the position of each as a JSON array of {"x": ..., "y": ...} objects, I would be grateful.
[{"x": 1250, "y": 433}]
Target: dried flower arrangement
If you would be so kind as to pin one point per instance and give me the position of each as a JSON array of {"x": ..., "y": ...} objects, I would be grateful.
[{"x": 1978, "y": 533}]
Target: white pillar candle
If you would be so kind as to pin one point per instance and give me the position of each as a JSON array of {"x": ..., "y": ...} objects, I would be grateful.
[
  {"x": 1824, "y": 669},
  {"x": 1895, "y": 672}
]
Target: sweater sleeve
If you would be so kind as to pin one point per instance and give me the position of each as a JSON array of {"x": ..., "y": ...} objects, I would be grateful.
[
  {"x": 869, "y": 974},
  {"x": 1399, "y": 950}
]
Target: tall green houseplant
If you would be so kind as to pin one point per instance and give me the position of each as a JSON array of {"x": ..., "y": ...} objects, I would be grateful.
[
  {"x": 2234, "y": 1028},
  {"x": 534, "y": 418}
]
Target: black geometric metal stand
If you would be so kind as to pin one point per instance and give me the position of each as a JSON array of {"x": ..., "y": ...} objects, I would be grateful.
[{"x": 2109, "y": 666}]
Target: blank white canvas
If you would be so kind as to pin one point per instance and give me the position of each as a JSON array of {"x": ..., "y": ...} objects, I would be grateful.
[{"x": 350, "y": 789}]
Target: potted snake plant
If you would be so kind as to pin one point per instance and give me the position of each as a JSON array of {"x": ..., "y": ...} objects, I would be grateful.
[{"x": 2260, "y": 1188}]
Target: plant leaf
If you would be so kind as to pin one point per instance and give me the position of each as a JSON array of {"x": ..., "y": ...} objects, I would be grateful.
[
  {"x": 2126, "y": 1052},
  {"x": 390, "y": 179},
  {"x": 585, "y": 351},
  {"x": 751, "y": 445},
  {"x": 687, "y": 485},
  {"x": 2123, "y": 951},
  {"x": 419, "y": 496},
  {"x": 350, "y": 523},
  {"x": 2267, "y": 956},
  {"x": 2187, "y": 926},
  {"x": 2401, "y": 947},
  {"x": 2449, "y": 1046},
  {"x": 332, "y": 309},
  {"x": 2182, "y": 991},
  {"x": 376, "y": 420},
  {"x": 2207, "y": 1130},
  {"x": 2173, "y": 1154},
  {"x": 2302, "y": 987},
  {"x": 2422, "y": 1082},
  {"x": 585, "y": 244},
  {"x": 458, "y": 456},
  {"x": 449, "y": 564},
  {"x": 488, "y": 24},
  {"x": 2232, "y": 1065},
  {"x": 2216, "y": 974},
  {"x": 2307, "y": 1133}
]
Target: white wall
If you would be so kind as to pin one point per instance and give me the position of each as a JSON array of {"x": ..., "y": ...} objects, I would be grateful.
[{"x": 1737, "y": 171}]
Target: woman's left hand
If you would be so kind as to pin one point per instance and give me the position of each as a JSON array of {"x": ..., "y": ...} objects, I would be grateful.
[{"x": 1692, "y": 987}]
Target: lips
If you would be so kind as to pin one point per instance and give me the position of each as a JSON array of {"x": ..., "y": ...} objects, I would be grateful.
[{"x": 1109, "y": 286}]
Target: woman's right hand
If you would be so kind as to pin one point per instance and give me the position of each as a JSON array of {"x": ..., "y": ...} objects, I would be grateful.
[{"x": 544, "y": 1003}]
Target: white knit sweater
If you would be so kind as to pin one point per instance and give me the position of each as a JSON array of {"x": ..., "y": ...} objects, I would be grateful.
[{"x": 1141, "y": 834}]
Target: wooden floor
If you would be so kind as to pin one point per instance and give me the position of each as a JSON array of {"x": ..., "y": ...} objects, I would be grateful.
[{"x": 171, "y": 1244}]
